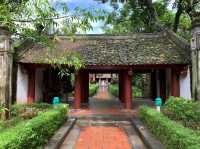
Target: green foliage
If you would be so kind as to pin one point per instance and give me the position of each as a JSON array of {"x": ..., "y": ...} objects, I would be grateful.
[
  {"x": 114, "y": 90},
  {"x": 185, "y": 111},
  {"x": 40, "y": 21},
  {"x": 34, "y": 133},
  {"x": 2, "y": 109},
  {"x": 172, "y": 134},
  {"x": 71, "y": 59},
  {"x": 6, "y": 124},
  {"x": 18, "y": 110},
  {"x": 22, "y": 112},
  {"x": 93, "y": 89},
  {"x": 135, "y": 17}
]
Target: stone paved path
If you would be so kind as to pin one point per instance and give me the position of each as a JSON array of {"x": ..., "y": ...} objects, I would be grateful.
[
  {"x": 102, "y": 137},
  {"x": 112, "y": 130},
  {"x": 103, "y": 94}
]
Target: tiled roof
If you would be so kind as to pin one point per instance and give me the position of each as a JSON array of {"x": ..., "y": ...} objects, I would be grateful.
[{"x": 135, "y": 49}]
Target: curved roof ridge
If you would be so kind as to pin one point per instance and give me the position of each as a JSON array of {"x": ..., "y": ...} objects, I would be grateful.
[
  {"x": 178, "y": 40},
  {"x": 114, "y": 36}
]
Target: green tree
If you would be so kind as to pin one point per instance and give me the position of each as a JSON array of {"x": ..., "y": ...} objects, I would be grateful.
[
  {"x": 183, "y": 7},
  {"x": 40, "y": 22},
  {"x": 35, "y": 18},
  {"x": 137, "y": 17}
]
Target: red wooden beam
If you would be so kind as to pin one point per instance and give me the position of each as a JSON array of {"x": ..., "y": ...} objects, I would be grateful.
[{"x": 31, "y": 85}]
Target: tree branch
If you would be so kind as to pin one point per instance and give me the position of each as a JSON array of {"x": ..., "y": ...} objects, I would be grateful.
[{"x": 52, "y": 18}]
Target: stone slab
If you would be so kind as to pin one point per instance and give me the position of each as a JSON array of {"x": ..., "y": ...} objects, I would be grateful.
[
  {"x": 150, "y": 141},
  {"x": 56, "y": 141}
]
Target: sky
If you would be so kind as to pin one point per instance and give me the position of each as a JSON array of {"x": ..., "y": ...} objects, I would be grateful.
[{"x": 89, "y": 4}]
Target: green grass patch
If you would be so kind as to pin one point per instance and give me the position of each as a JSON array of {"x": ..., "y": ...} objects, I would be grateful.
[
  {"x": 172, "y": 134},
  {"x": 34, "y": 133}
]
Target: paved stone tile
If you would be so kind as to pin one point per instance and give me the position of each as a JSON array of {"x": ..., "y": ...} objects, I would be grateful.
[
  {"x": 70, "y": 140},
  {"x": 102, "y": 137},
  {"x": 103, "y": 94}
]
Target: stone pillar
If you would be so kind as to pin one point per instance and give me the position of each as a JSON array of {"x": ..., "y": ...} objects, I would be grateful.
[
  {"x": 6, "y": 62},
  {"x": 78, "y": 92},
  {"x": 128, "y": 89},
  {"x": 175, "y": 83},
  {"x": 195, "y": 48}
]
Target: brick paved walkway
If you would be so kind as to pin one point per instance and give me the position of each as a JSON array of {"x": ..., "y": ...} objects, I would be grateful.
[
  {"x": 89, "y": 133},
  {"x": 102, "y": 137}
]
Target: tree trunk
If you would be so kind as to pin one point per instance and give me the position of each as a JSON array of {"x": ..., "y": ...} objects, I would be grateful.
[
  {"x": 177, "y": 17},
  {"x": 152, "y": 11}
]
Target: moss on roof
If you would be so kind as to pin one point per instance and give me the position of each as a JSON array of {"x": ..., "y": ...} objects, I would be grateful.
[{"x": 136, "y": 49}]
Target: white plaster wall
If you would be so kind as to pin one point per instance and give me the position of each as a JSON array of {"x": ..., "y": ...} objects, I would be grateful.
[
  {"x": 22, "y": 85},
  {"x": 185, "y": 88},
  {"x": 39, "y": 84}
]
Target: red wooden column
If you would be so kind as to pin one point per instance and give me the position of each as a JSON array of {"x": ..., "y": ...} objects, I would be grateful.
[
  {"x": 78, "y": 90},
  {"x": 153, "y": 84},
  {"x": 162, "y": 76},
  {"x": 175, "y": 84},
  {"x": 128, "y": 89},
  {"x": 120, "y": 86},
  {"x": 31, "y": 85},
  {"x": 85, "y": 85}
]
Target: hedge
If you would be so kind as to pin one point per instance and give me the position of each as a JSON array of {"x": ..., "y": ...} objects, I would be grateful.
[
  {"x": 114, "y": 90},
  {"x": 34, "y": 133},
  {"x": 172, "y": 134},
  {"x": 185, "y": 111},
  {"x": 17, "y": 109},
  {"x": 93, "y": 89}
]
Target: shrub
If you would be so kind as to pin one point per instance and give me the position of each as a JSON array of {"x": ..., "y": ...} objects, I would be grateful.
[
  {"x": 34, "y": 133},
  {"x": 185, "y": 111},
  {"x": 29, "y": 110},
  {"x": 173, "y": 135},
  {"x": 93, "y": 89},
  {"x": 114, "y": 90},
  {"x": 6, "y": 124},
  {"x": 2, "y": 109}
]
